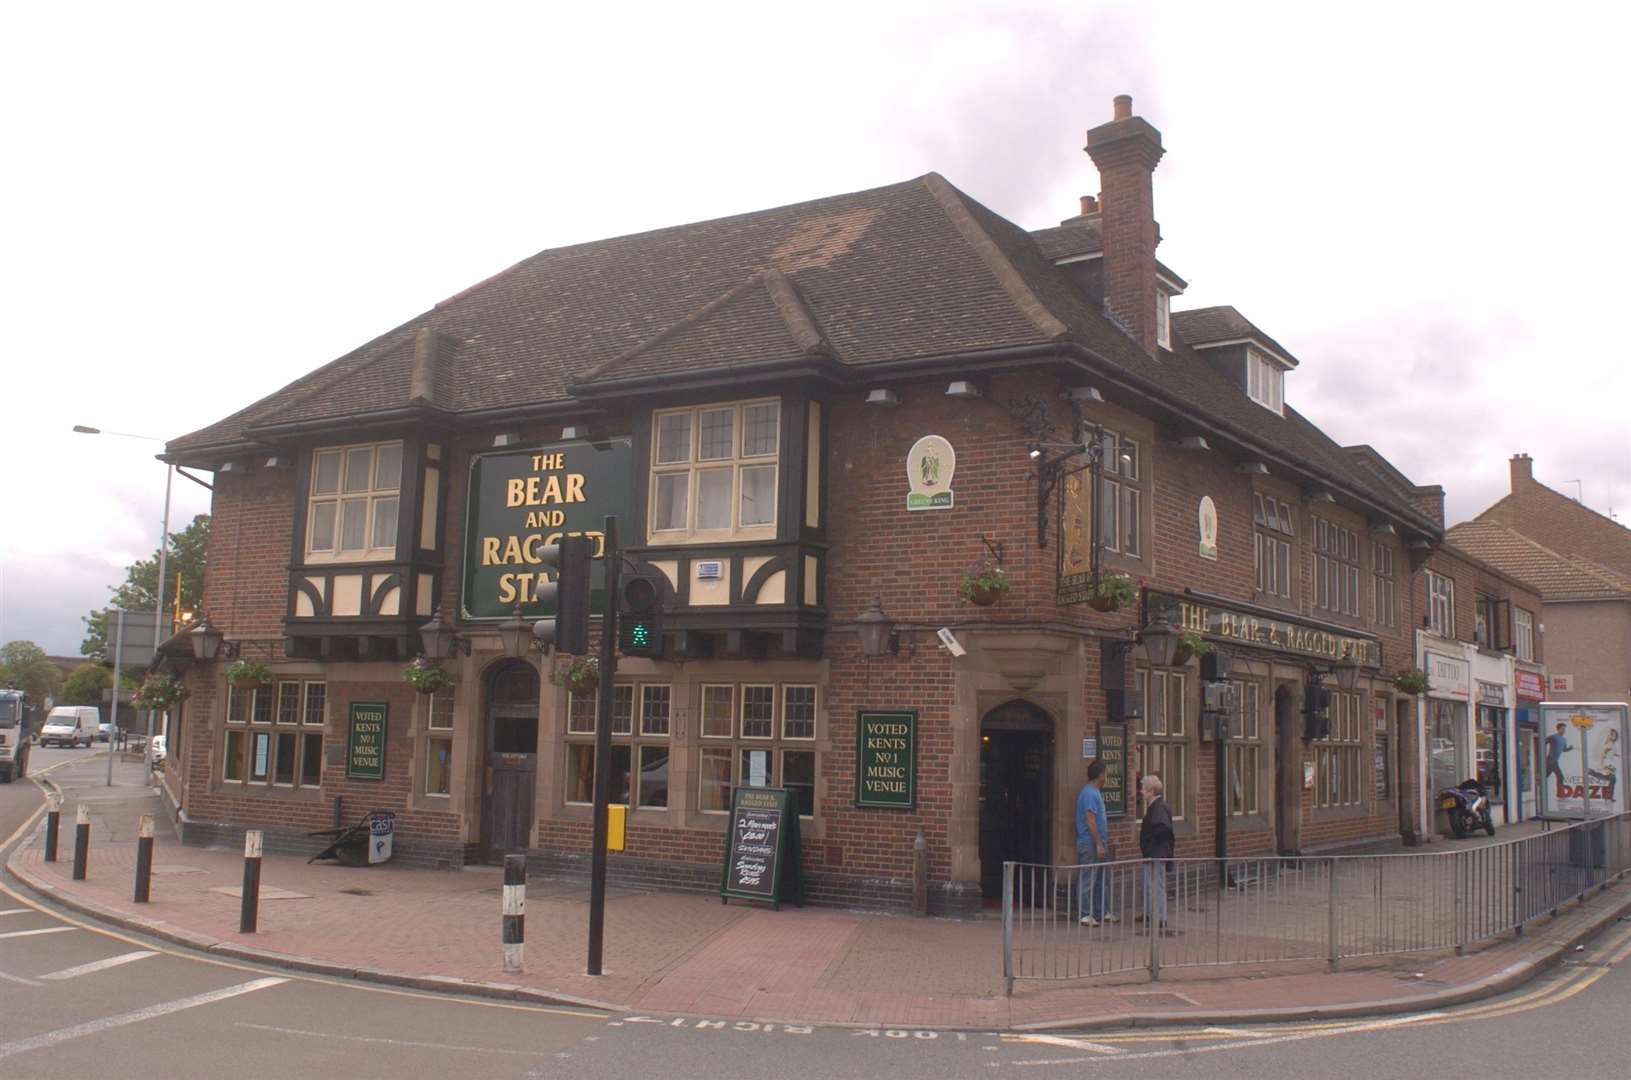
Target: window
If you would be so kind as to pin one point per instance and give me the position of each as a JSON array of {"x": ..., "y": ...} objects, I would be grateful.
[
  {"x": 713, "y": 472},
  {"x": 439, "y": 743},
  {"x": 1523, "y": 633},
  {"x": 1336, "y": 757},
  {"x": 1163, "y": 318},
  {"x": 1483, "y": 620},
  {"x": 1384, "y": 589},
  {"x": 1161, "y": 742},
  {"x": 1246, "y": 749},
  {"x": 1336, "y": 568},
  {"x": 648, "y": 787},
  {"x": 274, "y": 734},
  {"x": 1265, "y": 382},
  {"x": 1440, "y": 605},
  {"x": 355, "y": 497},
  {"x": 771, "y": 723},
  {"x": 1273, "y": 533},
  {"x": 1120, "y": 496}
]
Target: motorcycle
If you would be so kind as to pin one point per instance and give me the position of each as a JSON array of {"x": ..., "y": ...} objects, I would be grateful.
[{"x": 1468, "y": 808}]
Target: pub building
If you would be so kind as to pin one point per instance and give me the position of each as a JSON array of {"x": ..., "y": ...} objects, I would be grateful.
[{"x": 888, "y": 452}]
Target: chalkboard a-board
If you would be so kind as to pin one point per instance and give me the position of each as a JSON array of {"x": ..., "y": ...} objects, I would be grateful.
[{"x": 762, "y": 849}]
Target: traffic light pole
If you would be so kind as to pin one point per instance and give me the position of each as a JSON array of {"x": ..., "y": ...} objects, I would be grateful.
[{"x": 612, "y": 558}]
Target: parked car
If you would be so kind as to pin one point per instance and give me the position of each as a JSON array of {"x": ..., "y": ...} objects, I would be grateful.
[
  {"x": 103, "y": 730},
  {"x": 71, "y": 725},
  {"x": 158, "y": 749}
]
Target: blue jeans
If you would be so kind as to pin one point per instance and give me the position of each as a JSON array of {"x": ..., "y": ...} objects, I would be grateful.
[
  {"x": 1155, "y": 891},
  {"x": 1092, "y": 884}
]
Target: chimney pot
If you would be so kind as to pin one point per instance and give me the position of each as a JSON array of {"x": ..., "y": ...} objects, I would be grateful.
[
  {"x": 1123, "y": 107},
  {"x": 1090, "y": 205}
]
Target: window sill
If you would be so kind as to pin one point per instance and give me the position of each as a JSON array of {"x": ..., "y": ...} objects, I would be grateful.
[
  {"x": 1341, "y": 813},
  {"x": 259, "y": 789},
  {"x": 1248, "y": 823},
  {"x": 348, "y": 558}
]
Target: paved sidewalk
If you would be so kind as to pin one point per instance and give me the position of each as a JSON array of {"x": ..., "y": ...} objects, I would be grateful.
[{"x": 671, "y": 953}]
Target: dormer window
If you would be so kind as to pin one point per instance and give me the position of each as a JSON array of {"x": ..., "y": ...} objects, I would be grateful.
[
  {"x": 1163, "y": 319},
  {"x": 1266, "y": 382}
]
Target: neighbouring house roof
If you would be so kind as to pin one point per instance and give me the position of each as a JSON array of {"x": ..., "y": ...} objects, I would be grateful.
[
  {"x": 913, "y": 271},
  {"x": 1554, "y": 576}
]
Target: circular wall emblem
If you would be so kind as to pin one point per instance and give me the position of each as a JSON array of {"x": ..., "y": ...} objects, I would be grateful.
[
  {"x": 929, "y": 469},
  {"x": 1209, "y": 528}
]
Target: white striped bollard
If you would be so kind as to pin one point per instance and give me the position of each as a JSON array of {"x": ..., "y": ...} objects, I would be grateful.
[
  {"x": 249, "y": 911},
  {"x": 53, "y": 826},
  {"x": 515, "y": 910},
  {"x": 144, "y": 858},
  {"x": 82, "y": 840}
]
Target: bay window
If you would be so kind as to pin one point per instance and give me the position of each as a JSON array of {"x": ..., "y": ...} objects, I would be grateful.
[
  {"x": 354, "y": 501},
  {"x": 713, "y": 472}
]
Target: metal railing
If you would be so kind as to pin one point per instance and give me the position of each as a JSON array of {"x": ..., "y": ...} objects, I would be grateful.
[{"x": 1150, "y": 915}]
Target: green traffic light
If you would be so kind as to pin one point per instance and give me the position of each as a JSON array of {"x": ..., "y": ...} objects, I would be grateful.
[{"x": 639, "y": 635}]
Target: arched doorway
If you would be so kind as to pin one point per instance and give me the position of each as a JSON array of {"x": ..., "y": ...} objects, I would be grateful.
[
  {"x": 1016, "y": 791},
  {"x": 1288, "y": 772},
  {"x": 510, "y": 753}
]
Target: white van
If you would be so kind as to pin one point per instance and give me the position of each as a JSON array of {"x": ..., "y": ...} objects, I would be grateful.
[{"x": 71, "y": 725}]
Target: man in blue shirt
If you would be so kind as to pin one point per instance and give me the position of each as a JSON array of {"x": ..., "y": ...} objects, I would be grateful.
[
  {"x": 1093, "y": 847},
  {"x": 1557, "y": 744}
]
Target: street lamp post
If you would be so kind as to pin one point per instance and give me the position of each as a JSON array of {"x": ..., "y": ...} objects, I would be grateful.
[{"x": 158, "y": 600}]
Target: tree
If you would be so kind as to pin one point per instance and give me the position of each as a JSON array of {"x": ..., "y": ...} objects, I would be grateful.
[
  {"x": 85, "y": 684},
  {"x": 24, "y": 665},
  {"x": 139, "y": 591}
]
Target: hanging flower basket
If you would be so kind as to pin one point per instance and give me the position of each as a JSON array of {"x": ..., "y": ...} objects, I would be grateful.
[
  {"x": 1190, "y": 645},
  {"x": 1111, "y": 592},
  {"x": 581, "y": 676},
  {"x": 248, "y": 674},
  {"x": 1413, "y": 681},
  {"x": 984, "y": 582},
  {"x": 427, "y": 676},
  {"x": 160, "y": 693}
]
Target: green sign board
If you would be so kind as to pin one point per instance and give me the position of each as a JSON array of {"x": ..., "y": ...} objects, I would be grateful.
[
  {"x": 886, "y": 758},
  {"x": 521, "y": 500},
  {"x": 1113, "y": 756},
  {"x": 365, "y": 740},
  {"x": 762, "y": 848}
]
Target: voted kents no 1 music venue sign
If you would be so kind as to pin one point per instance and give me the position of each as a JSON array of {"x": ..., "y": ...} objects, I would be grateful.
[{"x": 521, "y": 501}]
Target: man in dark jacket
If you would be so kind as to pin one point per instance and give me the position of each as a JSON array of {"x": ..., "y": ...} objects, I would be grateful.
[{"x": 1155, "y": 842}]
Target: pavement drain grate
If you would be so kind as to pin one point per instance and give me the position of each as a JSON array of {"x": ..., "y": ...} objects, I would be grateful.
[
  {"x": 1153, "y": 1000},
  {"x": 357, "y": 892}
]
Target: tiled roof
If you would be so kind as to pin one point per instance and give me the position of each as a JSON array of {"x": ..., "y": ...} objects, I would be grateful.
[
  {"x": 1204, "y": 326},
  {"x": 1554, "y": 576},
  {"x": 912, "y": 270}
]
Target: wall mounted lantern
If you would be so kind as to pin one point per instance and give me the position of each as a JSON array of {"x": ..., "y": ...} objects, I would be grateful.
[
  {"x": 206, "y": 640},
  {"x": 877, "y": 631},
  {"x": 515, "y": 634},
  {"x": 1160, "y": 640},
  {"x": 439, "y": 639}
]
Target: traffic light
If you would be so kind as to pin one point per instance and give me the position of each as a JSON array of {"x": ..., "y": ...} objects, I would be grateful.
[
  {"x": 1316, "y": 714},
  {"x": 568, "y": 629},
  {"x": 640, "y": 612}
]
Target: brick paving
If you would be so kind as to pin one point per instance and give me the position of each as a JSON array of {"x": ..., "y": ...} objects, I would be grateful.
[{"x": 672, "y": 953}]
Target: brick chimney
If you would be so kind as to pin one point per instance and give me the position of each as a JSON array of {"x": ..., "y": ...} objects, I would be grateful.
[
  {"x": 1126, "y": 151},
  {"x": 1523, "y": 471},
  {"x": 1429, "y": 499}
]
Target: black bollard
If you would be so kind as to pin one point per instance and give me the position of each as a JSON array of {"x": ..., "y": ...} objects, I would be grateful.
[
  {"x": 82, "y": 840},
  {"x": 249, "y": 913},
  {"x": 53, "y": 826},
  {"x": 513, "y": 930},
  {"x": 144, "y": 858}
]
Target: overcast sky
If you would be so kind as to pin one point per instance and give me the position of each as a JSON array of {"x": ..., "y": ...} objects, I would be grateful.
[{"x": 1424, "y": 202}]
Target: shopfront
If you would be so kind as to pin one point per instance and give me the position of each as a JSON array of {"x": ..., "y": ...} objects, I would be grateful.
[
  {"x": 1530, "y": 687},
  {"x": 1491, "y": 759},
  {"x": 1449, "y": 732}
]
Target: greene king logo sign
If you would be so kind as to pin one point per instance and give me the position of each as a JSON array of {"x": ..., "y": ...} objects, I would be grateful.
[{"x": 929, "y": 468}]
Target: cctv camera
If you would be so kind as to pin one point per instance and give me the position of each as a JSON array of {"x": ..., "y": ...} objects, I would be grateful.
[{"x": 949, "y": 642}]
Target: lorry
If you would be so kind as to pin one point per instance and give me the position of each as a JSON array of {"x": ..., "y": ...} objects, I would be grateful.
[{"x": 16, "y": 720}]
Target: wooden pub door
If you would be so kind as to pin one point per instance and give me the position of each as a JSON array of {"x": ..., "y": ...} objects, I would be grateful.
[{"x": 510, "y": 771}]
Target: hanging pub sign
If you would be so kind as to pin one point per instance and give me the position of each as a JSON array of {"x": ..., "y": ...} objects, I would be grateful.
[
  {"x": 365, "y": 740},
  {"x": 762, "y": 848},
  {"x": 1075, "y": 544},
  {"x": 886, "y": 759},
  {"x": 1229, "y": 624},
  {"x": 929, "y": 468},
  {"x": 1113, "y": 756},
  {"x": 521, "y": 500}
]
